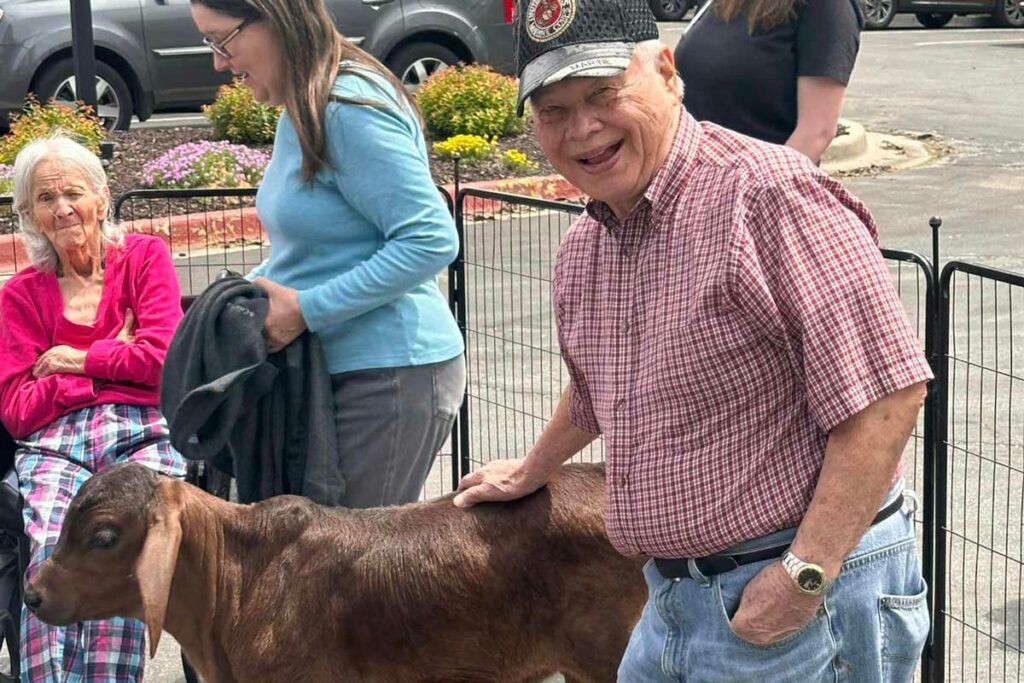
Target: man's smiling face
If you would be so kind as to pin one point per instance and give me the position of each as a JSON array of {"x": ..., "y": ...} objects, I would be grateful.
[{"x": 608, "y": 136}]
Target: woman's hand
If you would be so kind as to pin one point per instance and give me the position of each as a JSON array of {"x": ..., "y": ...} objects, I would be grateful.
[
  {"x": 59, "y": 359},
  {"x": 284, "y": 319},
  {"x": 127, "y": 333}
]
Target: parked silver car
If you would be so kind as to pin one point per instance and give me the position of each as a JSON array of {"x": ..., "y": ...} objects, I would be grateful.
[
  {"x": 937, "y": 13},
  {"x": 150, "y": 56}
]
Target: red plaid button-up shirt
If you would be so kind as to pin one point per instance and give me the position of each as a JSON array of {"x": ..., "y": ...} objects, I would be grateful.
[{"x": 717, "y": 334}]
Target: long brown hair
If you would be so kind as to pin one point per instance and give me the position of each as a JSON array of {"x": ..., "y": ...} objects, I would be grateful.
[
  {"x": 315, "y": 53},
  {"x": 760, "y": 14}
]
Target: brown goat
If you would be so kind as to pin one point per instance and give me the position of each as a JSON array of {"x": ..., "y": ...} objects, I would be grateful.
[{"x": 286, "y": 590}]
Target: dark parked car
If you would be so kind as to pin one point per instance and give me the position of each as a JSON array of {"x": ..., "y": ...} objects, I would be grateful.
[
  {"x": 150, "y": 56},
  {"x": 938, "y": 13},
  {"x": 670, "y": 10}
]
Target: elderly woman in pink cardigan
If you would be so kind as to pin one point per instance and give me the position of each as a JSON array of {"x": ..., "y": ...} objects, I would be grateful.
[{"x": 83, "y": 334}]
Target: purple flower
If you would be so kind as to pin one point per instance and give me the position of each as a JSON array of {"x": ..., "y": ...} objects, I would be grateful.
[
  {"x": 206, "y": 164},
  {"x": 6, "y": 178}
]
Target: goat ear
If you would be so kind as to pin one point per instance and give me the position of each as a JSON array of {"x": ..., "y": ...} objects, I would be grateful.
[{"x": 155, "y": 567}]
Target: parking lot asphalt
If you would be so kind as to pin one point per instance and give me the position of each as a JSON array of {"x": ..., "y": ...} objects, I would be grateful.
[{"x": 961, "y": 83}]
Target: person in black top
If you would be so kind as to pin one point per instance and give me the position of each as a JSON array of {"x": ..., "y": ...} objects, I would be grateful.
[{"x": 775, "y": 70}]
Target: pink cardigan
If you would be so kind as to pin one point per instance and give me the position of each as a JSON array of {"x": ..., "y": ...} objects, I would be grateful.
[{"x": 140, "y": 275}]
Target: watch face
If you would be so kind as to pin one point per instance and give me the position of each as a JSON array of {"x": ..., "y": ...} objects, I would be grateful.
[{"x": 810, "y": 579}]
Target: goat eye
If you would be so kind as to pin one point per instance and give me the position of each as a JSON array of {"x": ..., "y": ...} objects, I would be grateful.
[{"x": 104, "y": 539}]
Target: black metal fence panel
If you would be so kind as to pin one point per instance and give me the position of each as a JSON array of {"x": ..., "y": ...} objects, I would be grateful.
[
  {"x": 10, "y": 258},
  {"x": 206, "y": 230},
  {"x": 515, "y": 371},
  {"x": 509, "y": 245},
  {"x": 980, "y": 516},
  {"x": 516, "y": 376},
  {"x": 914, "y": 280}
]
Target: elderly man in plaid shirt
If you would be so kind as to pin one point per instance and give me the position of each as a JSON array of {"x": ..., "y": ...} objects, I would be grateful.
[{"x": 731, "y": 330}]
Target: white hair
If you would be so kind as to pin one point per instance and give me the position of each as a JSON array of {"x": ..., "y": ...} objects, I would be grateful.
[
  {"x": 57, "y": 147},
  {"x": 648, "y": 53}
]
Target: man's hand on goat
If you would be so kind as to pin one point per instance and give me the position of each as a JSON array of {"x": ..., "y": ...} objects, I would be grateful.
[
  {"x": 500, "y": 480},
  {"x": 772, "y": 608},
  {"x": 284, "y": 319}
]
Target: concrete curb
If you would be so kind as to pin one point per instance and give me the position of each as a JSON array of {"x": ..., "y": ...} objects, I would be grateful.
[{"x": 845, "y": 147}]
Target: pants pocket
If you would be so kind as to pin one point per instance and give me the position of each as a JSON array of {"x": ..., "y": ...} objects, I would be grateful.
[
  {"x": 805, "y": 656},
  {"x": 449, "y": 384},
  {"x": 904, "y": 624},
  {"x": 729, "y": 594}
]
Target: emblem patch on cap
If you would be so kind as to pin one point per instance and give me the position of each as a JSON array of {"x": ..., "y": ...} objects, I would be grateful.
[{"x": 548, "y": 19}]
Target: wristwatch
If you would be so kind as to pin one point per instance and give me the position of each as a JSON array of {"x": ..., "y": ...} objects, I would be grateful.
[{"x": 809, "y": 578}]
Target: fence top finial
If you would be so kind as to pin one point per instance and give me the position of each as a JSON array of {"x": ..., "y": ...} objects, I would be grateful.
[{"x": 935, "y": 222}]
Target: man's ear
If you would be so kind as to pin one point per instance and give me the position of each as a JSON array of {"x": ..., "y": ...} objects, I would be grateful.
[
  {"x": 667, "y": 67},
  {"x": 154, "y": 569}
]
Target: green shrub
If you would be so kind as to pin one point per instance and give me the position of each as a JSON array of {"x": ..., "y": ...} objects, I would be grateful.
[
  {"x": 468, "y": 147},
  {"x": 38, "y": 121},
  {"x": 469, "y": 100},
  {"x": 236, "y": 116},
  {"x": 519, "y": 162}
]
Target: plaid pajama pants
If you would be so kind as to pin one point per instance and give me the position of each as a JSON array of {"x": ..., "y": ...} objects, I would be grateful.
[{"x": 51, "y": 465}]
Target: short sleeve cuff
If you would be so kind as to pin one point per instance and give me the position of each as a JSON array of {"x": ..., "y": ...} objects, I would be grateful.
[
  {"x": 581, "y": 414},
  {"x": 846, "y": 401}
]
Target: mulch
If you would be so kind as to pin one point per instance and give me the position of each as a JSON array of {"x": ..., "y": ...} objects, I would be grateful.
[{"x": 135, "y": 148}]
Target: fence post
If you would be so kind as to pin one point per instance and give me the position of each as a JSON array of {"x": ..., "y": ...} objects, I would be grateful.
[
  {"x": 935, "y": 469},
  {"x": 460, "y": 467}
]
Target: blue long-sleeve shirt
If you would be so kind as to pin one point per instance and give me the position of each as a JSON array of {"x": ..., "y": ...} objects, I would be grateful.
[{"x": 364, "y": 242}]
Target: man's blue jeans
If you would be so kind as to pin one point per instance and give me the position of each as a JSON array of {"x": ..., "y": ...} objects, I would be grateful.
[{"x": 872, "y": 627}]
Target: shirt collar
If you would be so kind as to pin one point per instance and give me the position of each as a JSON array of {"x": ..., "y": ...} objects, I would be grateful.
[{"x": 660, "y": 193}]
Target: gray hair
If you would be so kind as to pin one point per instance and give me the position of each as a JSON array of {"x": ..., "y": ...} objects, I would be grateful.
[
  {"x": 648, "y": 53},
  {"x": 56, "y": 147}
]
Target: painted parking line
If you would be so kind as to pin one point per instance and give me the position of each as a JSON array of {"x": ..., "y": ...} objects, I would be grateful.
[{"x": 972, "y": 42}]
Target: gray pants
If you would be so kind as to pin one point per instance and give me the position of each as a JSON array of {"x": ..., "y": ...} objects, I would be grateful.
[{"x": 391, "y": 423}]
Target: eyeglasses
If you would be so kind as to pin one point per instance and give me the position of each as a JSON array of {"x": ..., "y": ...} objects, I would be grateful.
[{"x": 218, "y": 47}]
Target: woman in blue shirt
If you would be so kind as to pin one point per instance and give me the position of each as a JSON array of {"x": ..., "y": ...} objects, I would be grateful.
[{"x": 358, "y": 233}]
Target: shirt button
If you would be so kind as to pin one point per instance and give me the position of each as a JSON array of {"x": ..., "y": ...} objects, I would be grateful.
[
  {"x": 620, "y": 405},
  {"x": 623, "y": 480},
  {"x": 625, "y": 327}
]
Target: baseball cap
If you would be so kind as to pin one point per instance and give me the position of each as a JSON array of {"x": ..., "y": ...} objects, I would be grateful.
[{"x": 558, "y": 39}]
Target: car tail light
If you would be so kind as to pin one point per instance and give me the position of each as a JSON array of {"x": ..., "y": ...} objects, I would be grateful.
[{"x": 510, "y": 10}]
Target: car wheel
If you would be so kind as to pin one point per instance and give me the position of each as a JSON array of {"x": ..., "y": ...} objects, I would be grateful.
[
  {"x": 670, "y": 10},
  {"x": 415, "y": 63},
  {"x": 933, "y": 19},
  {"x": 1009, "y": 13},
  {"x": 113, "y": 98},
  {"x": 878, "y": 13}
]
